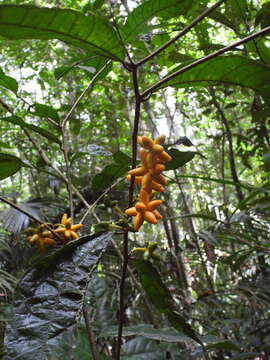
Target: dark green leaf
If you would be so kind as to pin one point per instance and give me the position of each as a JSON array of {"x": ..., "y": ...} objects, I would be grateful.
[
  {"x": 263, "y": 16},
  {"x": 112, "y": 172},
  {"x": 9, "y": 165},
  {"x": 148, "y": 331},
  {"x": 92, "y": 33},
  {"x": 180, "y": 158},
  {"x": 18, "y": 121},
  {"x": 233, "y": 69},
  {"x": 161, "y": 297},
  {"x": 266, "y": 161},
  {"x": 49, "y": 297},
  {"x": 8, "y": 82},
  {"x": 45, "y": 111},
  {"x": 143, "y": 349},
  {"x": 226, "y": 345}
]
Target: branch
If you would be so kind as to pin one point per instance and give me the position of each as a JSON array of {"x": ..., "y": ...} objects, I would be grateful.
[
  {"x": 158, "y": 84},
  {"x": 89, "y": 87},
  {"x": 181, "y": 33},
  {"x": 90, "y": 333},
  {"x": 138, "y": 101}
]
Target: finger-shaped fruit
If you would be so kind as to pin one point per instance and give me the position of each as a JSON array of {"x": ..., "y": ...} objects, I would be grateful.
[
  {"x": 154, "y": 204},
  {"x": 165, "y": 156},
  {"x": 49, "y": 241},
  {"x": 140, "y": 207},
  {"x": 138, "y": 171},
  {"x": 67, "y": 234},
  {"x": 150, "y": 217},
  {"x": 74, "y": 235},
  {"x": 158, "y": 148},
  {"x": 138, "y": 221},
  {"x": 151, "y": 159},
  {"x": 143, "y": 157},
  {"x": 157, "y": 169},
  {"x": 139, "y": 140},
  {"x": 146, "y": 181},
  {"x": 138, "y": 179},
  {"x": 76, "y": 227},
  {"x": 158, "y": 214},
  {"x": 131, "y": 211},
  {"x": 157, "y": 187},
  {"x": 160, "y": 140},
  {"x": 64, "y": 218},
  {"x": 147, "y": 143},
  {"x": 160, "y": 179},
  {"x": 144, "y": 196}
]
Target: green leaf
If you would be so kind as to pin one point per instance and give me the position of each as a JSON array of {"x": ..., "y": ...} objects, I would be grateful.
[
  {"x": 112, "y": 172},
  {"x": 180, "y": 158},
  {"x": 9, "y": 165},
  {"x": 266, "y": 161},
  {"x": 263, "y": 16},
  {"x": 143, "y": 349},
  {"x": 20, "y": 122},
  {"x": 226, "y": 345},
  {"x": 161, "y": 297},
  {"x": 92, "y": 32},
  {"x": 48, "y": 298},
  {"x": 233, "y": 69},
  {"x": 8, "y": 82},
  {"x": 148, "y": 331},
  {"x": 45, "y": 111},
  {"x": 137, "y": 20}
]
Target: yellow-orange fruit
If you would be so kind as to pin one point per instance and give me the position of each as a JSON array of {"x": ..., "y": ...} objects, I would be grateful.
[
  {"x": 140, "y": 206},
  {"x": 76, "y": 227},
  {"x": 157, "y": 169},
  {"x": 49, "y": 241},
  {"x": 146, "y": 182},
  {"x": 158, "y": 148},
  {"x": 150, "y": 217},
  {"x": 154, "y": 204},
  {"x": 33, "y": 238},
  {"x": 67, "y": 234},
  {"x": 160, "y": 140},
  {"x": 74, "y": 235},
  {"x": 138, "y": 221},
  {"x": 64, "y": 218},
  {"x": 160, "y": 179},
  {"x": 158, "y": 214},
  {"x": 138, "y": 171},
  {"x": 147, "y": 143},
  {"x": 144, "y": 196},
  {"x": 151, "y": 159},
  {"x": 143, "y": 157},
  {"x": 157, "y": 187},
  {"x": 131, "y": 211},
  {"x": 138, "y": 179},
  {"x": 165, "y": 156},
  {"x": 139, "y": 140}
]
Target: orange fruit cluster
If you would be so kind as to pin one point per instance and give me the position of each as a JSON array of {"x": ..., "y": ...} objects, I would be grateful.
[
  {"x": 42, "y": 237},
  {"x": 149, "y": 177}
]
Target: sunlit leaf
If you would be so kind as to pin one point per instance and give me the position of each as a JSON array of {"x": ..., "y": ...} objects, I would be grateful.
[
  {"x": 180, "y": 158},
  {"x": 92, "y": 33},
  {"x": 8, "y": 82},
  {"x": 233, "y": 70}
]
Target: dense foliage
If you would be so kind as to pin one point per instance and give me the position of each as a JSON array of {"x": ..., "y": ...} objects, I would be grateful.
[{"x": 80, "y": 81}]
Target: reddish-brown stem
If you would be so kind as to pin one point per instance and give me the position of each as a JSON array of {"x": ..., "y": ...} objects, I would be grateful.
[{"x": 138, "y": 102}]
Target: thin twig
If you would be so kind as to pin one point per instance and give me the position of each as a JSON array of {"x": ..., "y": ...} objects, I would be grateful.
[
  {"x": 90, "y": 332},
  {"x": 15, "y": 206},
  {"x": 145, "y": 95},
  {"x": 181, "y": 33},
  {"x": 91, "y": 208},
  {"x": 88, "y": 88}
]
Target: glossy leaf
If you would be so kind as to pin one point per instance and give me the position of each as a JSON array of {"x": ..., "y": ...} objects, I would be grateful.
[
  {"x": 92, "y": 33},
  {"x": 143, "y": 349},
  {"x": 137, "y": 20},
  {"x": 9, "y": 165},
  {"x": 232, "y": 70},
  {"x": 48, "y": 298},
  {"x": 180, "y": 158},
  {"x": 20, "y": 122},
  {"x": 8, "y": 82},
  {"x": 161, "y": 297}
]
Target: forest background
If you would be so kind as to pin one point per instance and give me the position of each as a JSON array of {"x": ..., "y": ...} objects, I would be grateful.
[{"x": 77, "y": 88}]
